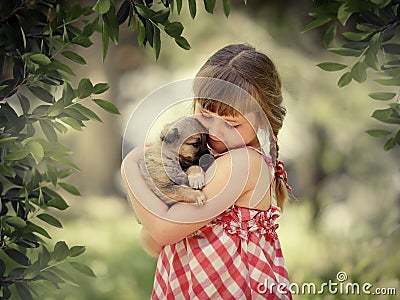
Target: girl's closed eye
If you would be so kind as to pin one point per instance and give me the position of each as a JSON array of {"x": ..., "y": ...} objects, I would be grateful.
[
  {"x": 206, "y": 116},
  {"x": 230, "y": 126}
]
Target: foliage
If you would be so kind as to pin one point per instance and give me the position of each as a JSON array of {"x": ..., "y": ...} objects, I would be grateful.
[
  {"x": 368, "y": 31},
  {"x": 39, "y": 103}
]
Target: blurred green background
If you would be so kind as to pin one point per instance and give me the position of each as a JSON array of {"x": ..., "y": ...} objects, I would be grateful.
[{"x": 347, "y": 218}]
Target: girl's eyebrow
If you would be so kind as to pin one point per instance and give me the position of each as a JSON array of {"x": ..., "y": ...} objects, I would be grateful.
[{"x": 225, "y": 118}]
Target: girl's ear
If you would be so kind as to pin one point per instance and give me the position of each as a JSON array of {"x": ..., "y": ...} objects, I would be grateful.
[{"x": 169, "y": 135}]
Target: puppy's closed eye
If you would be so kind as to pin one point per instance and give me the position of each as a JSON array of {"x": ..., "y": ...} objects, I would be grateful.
[{"x": 195, "y": 144}]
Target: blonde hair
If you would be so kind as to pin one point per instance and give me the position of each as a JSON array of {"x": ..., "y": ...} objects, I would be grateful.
[{"x": 256, "y": 74}]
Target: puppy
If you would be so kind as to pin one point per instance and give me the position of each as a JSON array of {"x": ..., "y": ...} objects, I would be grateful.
[{"x": 171, "y": 166}]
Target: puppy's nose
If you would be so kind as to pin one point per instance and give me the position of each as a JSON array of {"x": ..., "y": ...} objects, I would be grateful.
[{"x": 205, "y": 161}]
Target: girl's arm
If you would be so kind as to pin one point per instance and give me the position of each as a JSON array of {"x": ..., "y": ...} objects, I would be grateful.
[
  {"x": 228, "y": 179},
  {"x": 149, "y": 244}
]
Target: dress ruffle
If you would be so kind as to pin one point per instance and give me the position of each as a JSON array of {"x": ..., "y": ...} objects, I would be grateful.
[{"x": 244, "y": 222}]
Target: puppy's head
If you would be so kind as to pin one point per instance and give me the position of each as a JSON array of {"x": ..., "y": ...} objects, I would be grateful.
[{"x": 187, "y": 138}]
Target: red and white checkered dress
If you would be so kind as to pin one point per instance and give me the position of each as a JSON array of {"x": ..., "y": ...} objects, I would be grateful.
[{"x": 236, "y": 256}]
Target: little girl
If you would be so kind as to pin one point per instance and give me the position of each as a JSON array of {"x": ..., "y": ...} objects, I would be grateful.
[{"x": 230, "y": 250}]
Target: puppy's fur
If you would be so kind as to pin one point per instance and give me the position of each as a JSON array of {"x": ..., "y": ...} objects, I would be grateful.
[{"x": 172, "y": 164}]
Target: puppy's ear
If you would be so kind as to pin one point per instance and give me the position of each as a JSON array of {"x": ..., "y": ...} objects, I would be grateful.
[{"x": 170, "y": 136}]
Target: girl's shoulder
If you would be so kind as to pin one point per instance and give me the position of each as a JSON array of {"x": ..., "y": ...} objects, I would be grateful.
[
  {"x": 249, "y": 168},
  {"x": 246, "y": 156}
]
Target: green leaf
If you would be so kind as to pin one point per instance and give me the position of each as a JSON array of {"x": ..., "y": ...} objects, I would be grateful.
[
  {"x": 41, "y": 93},
  {"x": 36, "y": 150},
  {"x": 23, "y": 291},
  {"x": 48, "y": 130},
  {"x": 112, "y": 25},
  {"x": 44, "y": 257},
  {"x": 65, "y": 276},
  {"x": 61, "y": 251},
  {"x": 157, "y": 42},
  {"x": 316, "y": 23},
  {"x": 72, "y": 122},
  {"x": 82, "y": 41},
  {"x": 392, "y": 48},
  {"x": 330, "y": 35},
  {"x": 385, "y": 116},
  {"x": 107, "y": 106},
  {"x": 24, "y": 102},
  {"x": 35, "y": 228},
  {"x": 179, "y": 6},
  {"x": 389, "y": 144},
  {"x": 182, "y": 42},
  {"x": 7, "y": 140},
  {"x": 17, "y": 256},
  {"x": 358, "y": 72},
  {"x": 345, "y": 51},
  {"x": 123, "y": 12},
  {"x": 2, "y": 268},
  {"x": 227, "y": 7},
  {"x": 378, "y": 132},
  {"x": 56, "y": 109},
  {"x": 209, "y": 5},
  {"x": 375, "y": 42},
  {"x": 102, "y": 6},
  {"x": 51, "y": 277},
  {"x": 344, "y": 13},
  {"x": 100, "y": 88},
  {"x": 50, "y": 220},
  {"x": 76, "y": 251},
  {"x": 345, "y": 79},
  {"x": 161, "y": 16},
  {"x": 51, "y": 173},
  {"x": 40, "y": 59},
  {"x": 397, "y": 137},
  {"x": 64, "y": 173},
  {"x": 192, "y": 8},
  {"x": 141, "y": 34},
  {"x": 7, "y": 170},
  {"x": 70, "y": 188},
  {"x": 87, "y": 112},
  {"x": 395, "y": 81},
  {"x": 16, "y": 222},
  {"x": 58, "y": 203},
  {"x": 331, "y": 66},
  {"x": 371, "y": 59},
  {"x": 64, "y": 161},
  {"x": 74, "y": 57},
  {"x": 32, "y": 271},
  {"x": 356, "y": 36},
  {"x": 17, "y": 155},
  {"x": 84, "y": 269},
  {"x": 149, "y": 32},
  {"x": 382, "y": 96},
  {"x": 174, "y": 29},
  {"x": 76, "y": 114},
  {"x": 104, "y": 36},
  {"x": 85, "y": 88},
  {"x": 144, "y": 11}
]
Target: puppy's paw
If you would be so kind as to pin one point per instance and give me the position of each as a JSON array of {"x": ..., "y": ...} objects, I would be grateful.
[
  {"x": 196, "y": 197},
  {"x": 196, "y": 177}
]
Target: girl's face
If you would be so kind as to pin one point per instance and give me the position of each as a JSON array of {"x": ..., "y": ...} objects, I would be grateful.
[{"x": 227, "y": 132}]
